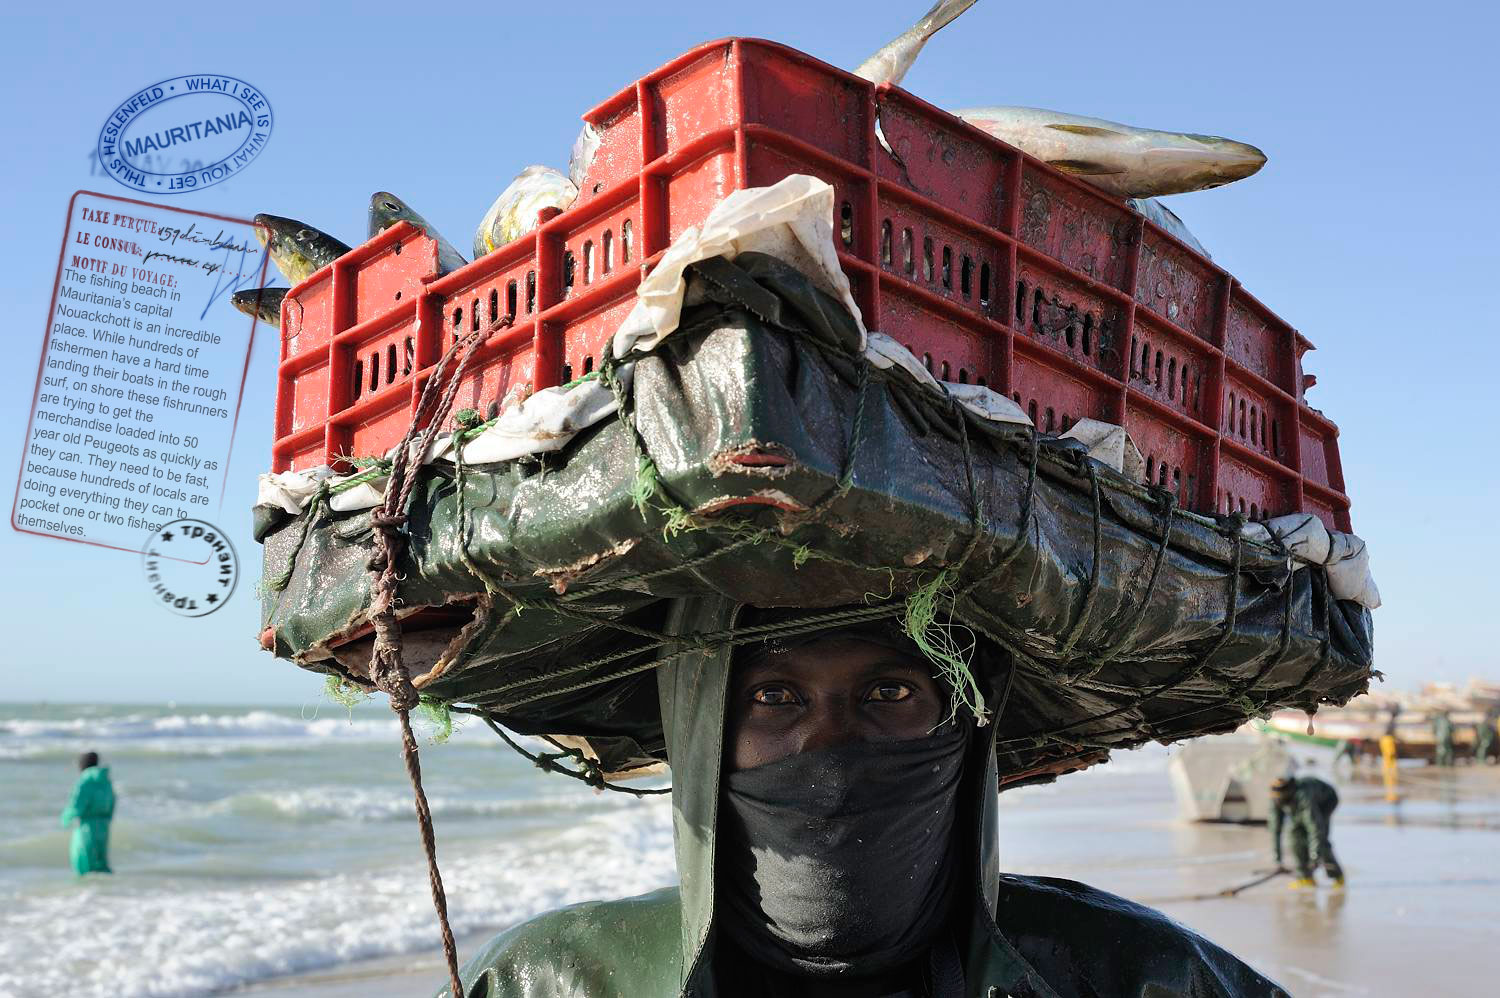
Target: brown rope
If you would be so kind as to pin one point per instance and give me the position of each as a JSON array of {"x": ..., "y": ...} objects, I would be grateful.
[{"x": 386, "y": 667}]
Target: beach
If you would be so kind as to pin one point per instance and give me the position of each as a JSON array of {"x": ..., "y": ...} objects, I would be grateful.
[{"x": 272, "y": 851}]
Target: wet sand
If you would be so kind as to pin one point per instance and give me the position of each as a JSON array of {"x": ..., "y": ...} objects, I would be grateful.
[
  {"x": 392, "y": 977},
  {"x": 1420, "y": 914}
]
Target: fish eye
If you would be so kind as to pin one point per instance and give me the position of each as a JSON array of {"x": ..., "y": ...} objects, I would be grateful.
[
  {"x": 392, "y": 207},
  {"x": 889, "y": 691},
  {"x": 774, "y": 695}
]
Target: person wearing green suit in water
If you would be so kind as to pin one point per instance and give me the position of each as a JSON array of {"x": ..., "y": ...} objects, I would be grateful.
[{"x": 92, "y": 806}]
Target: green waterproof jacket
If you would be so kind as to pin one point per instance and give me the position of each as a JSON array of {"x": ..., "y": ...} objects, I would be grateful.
[
  {"x": 92, "y": 806},
  {"x": 1021, "y": 937}
]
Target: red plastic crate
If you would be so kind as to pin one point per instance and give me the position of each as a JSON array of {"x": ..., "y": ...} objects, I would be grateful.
[{"x": 990, "y": 266}]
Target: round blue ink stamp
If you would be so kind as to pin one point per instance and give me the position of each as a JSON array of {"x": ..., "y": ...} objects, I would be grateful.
[{"x": 185, "y": 134}]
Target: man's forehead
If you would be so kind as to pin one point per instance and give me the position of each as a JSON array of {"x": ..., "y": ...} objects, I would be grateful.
[{"x": 836, "y": 655}]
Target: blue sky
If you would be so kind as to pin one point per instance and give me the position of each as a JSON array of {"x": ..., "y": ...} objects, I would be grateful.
[{"x": 1372, "y": 229}]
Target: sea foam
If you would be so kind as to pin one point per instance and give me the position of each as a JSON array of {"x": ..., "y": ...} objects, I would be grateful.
[{"x": 127, "y": 939}]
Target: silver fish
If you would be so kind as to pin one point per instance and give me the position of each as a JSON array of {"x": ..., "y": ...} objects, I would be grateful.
[
  {"x": 1165, "y": 217},
  {"x": 297, "y": 249},
  {"x": 261, "y": 303},
  {"x": 514, "y": 212},
  {"x": 386, "y": 209},
  {"x": 585, "y": 148},
  {"x": 1122, "y": 160},
  {"x": 891, "y": 63}
]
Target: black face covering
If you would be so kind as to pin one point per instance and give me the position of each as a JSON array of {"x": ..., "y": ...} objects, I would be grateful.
[{"x": 841, "y": 861}]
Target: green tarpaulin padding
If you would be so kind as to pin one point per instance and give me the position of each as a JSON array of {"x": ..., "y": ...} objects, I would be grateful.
[{"x": 759, "y": 456}]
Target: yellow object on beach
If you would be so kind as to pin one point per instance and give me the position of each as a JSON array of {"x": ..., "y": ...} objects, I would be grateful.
[
  {"x": 1298, "y": 883},
  {"x": 1388, "y": 767}
]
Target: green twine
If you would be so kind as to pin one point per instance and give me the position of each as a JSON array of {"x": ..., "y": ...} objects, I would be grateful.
[
  {"x": 344, "y": 693},
  {"x": 439, "y": 714},
  {"x": 643, "y": 487},
  {"x": 678, "y": 520},
  {"x": 591, "y": 376},
  {"x": 647, "y": 482},
  {"x": 937, "y": 597},
  {"x": 278, "y": 583},
  {"x": 646, "y": 486},
  {"x": 378, "y": 468},
  {"x": 937, "y": 641}
]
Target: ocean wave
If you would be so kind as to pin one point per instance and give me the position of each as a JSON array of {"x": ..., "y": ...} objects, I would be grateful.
[
  {"x": 128, "y": 939},
  {"x": 249, "y": 725},
  {"x": 363, "y": 804},
  {"x": 199, "y": 735}
]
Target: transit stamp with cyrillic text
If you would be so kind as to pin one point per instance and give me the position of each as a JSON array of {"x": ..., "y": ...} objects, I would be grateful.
[{"x": 190, "y": 567}]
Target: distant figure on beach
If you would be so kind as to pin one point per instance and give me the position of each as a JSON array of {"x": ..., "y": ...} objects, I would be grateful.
[
  {"x": 1484, "y": 736},
  {"x": 1442, "y": 734},
  {"x": 1347, "y": 751},
  {"x": 1307, "y": 804},
  {"x": 92, "y": 806}
]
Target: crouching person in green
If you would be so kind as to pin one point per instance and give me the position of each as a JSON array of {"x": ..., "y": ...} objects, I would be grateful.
[
  {"x": 835, "y": 811},
  {"x": 1306, "y": 803},
  {"x": 92, "y": 806}
]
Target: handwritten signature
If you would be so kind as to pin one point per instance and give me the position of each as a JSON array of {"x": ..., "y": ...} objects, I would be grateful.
[
  {"x": 192, "y": 235},
  {"x": 225, "y": 284}
]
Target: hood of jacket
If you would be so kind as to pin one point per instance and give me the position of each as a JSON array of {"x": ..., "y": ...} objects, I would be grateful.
[
  {"x": 95, "y": 778},
  {"x": 693, "y": 687},
  {"x": 1016, "y": 936}
]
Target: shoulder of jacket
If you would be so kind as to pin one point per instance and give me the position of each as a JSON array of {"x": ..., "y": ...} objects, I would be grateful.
[
  {"x": 1058, "y": 924},
  {"x": 1071, "y": 899},
  {"x": 594, "y": 947}
]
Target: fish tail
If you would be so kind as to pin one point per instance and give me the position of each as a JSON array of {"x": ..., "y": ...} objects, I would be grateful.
[
  {"x": 889, "y": 65},
  {"x": 942, "y": 14}
]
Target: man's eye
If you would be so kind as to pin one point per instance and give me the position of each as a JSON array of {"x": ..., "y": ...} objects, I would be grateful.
[
  {"x": 890, "y": 692},
  {"x": 774, "y": 696}
]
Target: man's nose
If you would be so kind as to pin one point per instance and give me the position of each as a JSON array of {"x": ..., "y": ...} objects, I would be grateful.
[{"x": 831, "y": 722}]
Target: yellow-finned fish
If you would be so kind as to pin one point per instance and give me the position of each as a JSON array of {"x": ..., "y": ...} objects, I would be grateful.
[
  {"x": 1121, "y": 160},
  {"x": 890, "y": 64},
  {"x": 386, "y": 209},
  {"x": 297, "y": 249},
  {"x": 514, "y": 212},
  {"x": 261, "y": 303}
]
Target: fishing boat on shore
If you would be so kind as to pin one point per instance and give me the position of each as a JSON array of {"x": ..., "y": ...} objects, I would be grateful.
[
  {"x": 1227, "y": 778},
  {"x": 1409, "y": 716}
]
